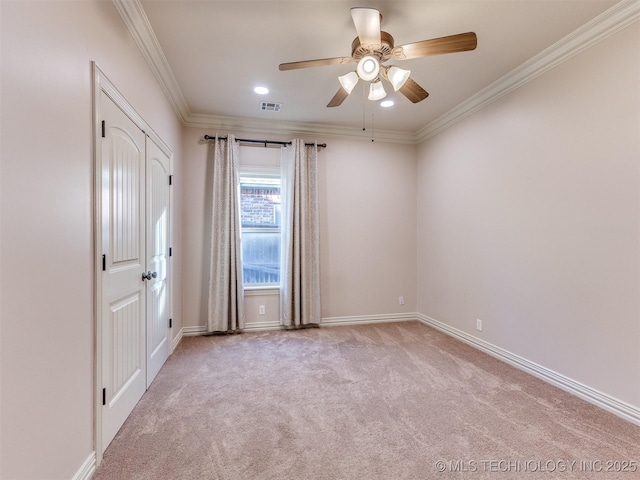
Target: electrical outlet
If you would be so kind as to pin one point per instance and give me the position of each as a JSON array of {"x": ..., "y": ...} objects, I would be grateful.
[
  {"x": 261, "y": 310},
  {"x": 478, "y": 324},
  {"x": 401, "y": 300}
]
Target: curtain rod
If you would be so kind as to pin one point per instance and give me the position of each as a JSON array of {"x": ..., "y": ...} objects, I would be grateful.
[{"x": 264, "y": 142}]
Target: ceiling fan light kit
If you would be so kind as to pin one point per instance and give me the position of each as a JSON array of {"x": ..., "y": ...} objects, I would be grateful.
[
  {"x": 372, "y": 47},
  {"x": 348, "y": 81},
  {"x": 368, "y": 68},
  {"x": 376, "y": 91},
  {"x": 398, "y": 77}
]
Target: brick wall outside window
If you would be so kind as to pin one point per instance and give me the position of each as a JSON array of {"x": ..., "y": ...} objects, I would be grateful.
[{"x": 260, "y": 206}]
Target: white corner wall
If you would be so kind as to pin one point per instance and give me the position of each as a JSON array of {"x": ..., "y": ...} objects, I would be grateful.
[
  {"x": 46, "y": 279},
  {"x": 529, "y": 219}
]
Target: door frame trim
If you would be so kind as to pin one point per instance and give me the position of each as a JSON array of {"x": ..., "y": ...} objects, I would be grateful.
[{"x": 101, "y": 83}]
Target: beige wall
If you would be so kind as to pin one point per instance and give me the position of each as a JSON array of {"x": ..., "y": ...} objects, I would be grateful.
[
  {"x": 46, "y": 277},
  {"x": 529, "y": 217},
  {"x": 367, "y": 227}
]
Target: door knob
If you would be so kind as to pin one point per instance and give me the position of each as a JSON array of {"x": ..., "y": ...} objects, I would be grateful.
[{"x": 149, "y": 275}]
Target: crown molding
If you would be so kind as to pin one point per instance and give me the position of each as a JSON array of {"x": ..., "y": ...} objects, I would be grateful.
[
  {"x": 319, "y": 130},
  {"x": 611, "y": 21},
  {"x": 138, "y": 24}
]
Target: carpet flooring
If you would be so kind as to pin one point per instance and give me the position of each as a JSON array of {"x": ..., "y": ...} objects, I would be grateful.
[{"x": 383, "y": 401}]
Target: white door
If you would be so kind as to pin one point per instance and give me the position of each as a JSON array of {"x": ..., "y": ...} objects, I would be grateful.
[
  {"x": 123, "y": 303},
  {"x": 133, "y": 329},
  {"x": 157, "y": 256}
]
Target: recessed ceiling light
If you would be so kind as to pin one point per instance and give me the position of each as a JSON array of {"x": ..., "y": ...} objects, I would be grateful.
[
  {"x": 261, "y": 90},
  {"x": 387, "y": 103}
]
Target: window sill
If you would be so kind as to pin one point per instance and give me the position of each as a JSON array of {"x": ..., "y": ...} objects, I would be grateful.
[{"x": 250, "y": 290}]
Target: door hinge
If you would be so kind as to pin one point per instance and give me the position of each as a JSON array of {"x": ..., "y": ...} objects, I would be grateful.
[
  {"x": 171, "y": 323},
  {"x": 104, "y": 263},
  {"x": 170, "y": 179},
  {"x": 170, "y": 251},
  {"x": 103, "y": 129},
  {"x": 104, "y": 396}
]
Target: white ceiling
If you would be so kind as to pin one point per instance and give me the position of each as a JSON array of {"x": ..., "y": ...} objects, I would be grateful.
[{"x": 218, "y": 51}]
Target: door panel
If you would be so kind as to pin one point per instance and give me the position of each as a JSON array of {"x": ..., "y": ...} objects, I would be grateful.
[
  {"x": 125, "y": 193},
  {"x": 158, "y": 333},
  {"x": 125, "y": 348},
  {"x": 123, "y": 290}
]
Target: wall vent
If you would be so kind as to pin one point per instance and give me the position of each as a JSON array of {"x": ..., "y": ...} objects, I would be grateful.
[{"x": 270, "y": 106}]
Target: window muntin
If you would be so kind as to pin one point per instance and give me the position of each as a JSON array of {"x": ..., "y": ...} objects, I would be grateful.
[{"x": 260, "y": 223}]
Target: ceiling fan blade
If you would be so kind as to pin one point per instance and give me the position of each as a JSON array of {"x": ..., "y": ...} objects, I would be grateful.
[
  {"x": 437, "y": 46},
  {"x": 338, "y": 98},
  {"x": 367, "y": 23},
  {"x": 315, "y": 63},
  {"x": 414, "y": 92}
]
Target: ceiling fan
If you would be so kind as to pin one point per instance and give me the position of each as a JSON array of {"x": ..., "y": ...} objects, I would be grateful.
[{"x": 372, "y": 47}]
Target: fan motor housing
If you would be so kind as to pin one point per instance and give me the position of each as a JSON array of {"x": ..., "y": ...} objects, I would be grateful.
[{"x": 382, "y": 51}]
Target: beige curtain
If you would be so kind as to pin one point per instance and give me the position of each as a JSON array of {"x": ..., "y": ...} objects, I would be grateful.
[
  {"x": 226, "y": 293},
  {"x": 300, "y": 257}
]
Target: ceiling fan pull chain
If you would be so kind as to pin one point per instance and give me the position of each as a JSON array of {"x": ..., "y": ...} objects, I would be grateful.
[
  {"x": 372, "y": 129},
  {"x": 364, "y": 103}
]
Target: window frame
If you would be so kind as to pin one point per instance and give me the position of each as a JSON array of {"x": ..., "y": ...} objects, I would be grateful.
[{"x": 259, "y": 171}]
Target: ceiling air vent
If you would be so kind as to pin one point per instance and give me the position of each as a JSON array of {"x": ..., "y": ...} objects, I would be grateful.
[{"x": 270, "y": 106}]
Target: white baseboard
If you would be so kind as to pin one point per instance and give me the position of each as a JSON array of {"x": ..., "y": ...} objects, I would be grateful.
[
  {"x": 326, "y": 322},
  {"x": 251, "y": 327},
  {"x": 248, "y": 327},
  {"x": 261, "y": 326},
  {"x": 194, "y": 331},
  {"x": 591, "y": 395},
  {"x": 364, "y": 319},
  {"x": 336, "y": 321},
  {"x": 177, "y": 340},
  {"x": 87, "y": 469}
]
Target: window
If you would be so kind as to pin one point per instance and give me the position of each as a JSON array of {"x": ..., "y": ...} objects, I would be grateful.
[{"x": 260, "y": 223}]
